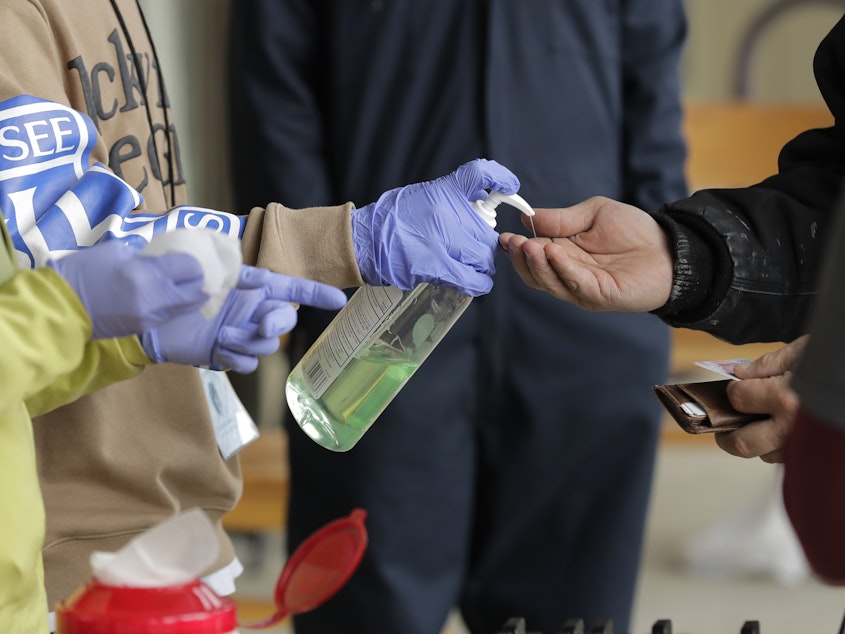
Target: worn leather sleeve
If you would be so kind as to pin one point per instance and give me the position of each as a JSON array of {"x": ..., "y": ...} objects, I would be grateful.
[{"x": 746, "y": 260}]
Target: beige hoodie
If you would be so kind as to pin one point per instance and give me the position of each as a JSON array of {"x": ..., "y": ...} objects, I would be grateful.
[{"x": 117, "y": 461}]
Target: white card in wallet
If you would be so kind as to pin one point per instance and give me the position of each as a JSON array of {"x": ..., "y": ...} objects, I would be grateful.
[{"x": 723, "y": 367}]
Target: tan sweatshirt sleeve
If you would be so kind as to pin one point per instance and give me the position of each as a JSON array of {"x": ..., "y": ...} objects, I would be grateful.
[{"x": 314, "y": 243}]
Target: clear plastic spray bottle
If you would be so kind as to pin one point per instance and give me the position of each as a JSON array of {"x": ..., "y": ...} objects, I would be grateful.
[{"x": 371, "y": 349}]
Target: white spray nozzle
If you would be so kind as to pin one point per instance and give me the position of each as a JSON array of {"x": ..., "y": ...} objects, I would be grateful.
[{"x": 487, "y": 208}]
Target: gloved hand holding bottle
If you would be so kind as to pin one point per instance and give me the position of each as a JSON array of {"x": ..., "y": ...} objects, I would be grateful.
[
  {"x": 428, "y": 232},
  {"x": 253, "y": 317},
  {"x": 424, "y": 251},
  {"x": 126, "y": 293}
]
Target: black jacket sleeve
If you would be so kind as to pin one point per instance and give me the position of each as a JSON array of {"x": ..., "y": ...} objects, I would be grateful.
[{"x": 746, "y": 260}]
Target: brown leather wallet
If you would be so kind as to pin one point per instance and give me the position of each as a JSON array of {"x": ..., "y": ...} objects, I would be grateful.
[{"x": 703, "y": 408}]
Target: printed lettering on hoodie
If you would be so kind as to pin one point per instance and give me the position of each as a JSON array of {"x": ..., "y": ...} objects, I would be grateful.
[
  {"x": 125, "y": 83},
  {"x": 55, "y": 201}
]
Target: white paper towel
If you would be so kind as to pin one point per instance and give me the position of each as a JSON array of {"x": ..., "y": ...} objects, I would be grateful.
[
  {"x": 219, "y": 254},
  {"x": 174, "y": 552}
]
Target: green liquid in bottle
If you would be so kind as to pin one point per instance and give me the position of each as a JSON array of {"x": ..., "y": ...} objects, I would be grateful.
[
  {"x": 352, "y": 402},
  {"x": 355, "y": 390}
]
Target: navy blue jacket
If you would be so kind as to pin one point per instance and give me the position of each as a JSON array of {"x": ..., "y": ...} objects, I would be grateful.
[
  {"x": 337, "y": 100},
  {"x": 340, "y": 100},
  {"x": 440, "y": 93}
]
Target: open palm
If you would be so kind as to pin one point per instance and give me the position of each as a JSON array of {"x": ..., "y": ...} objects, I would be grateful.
[{"x": 600, "y": 254}]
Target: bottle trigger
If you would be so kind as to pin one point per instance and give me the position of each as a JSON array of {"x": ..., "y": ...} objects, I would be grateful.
[{"x": 486, "y": 208}]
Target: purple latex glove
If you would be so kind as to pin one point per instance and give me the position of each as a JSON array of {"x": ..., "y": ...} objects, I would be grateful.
[
  {"x": 126, "y": 293},
  {"x": 253, "y": 317},
  {"x": 429, "y": 232}
]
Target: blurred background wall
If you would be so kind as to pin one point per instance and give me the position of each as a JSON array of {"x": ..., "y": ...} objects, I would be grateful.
[
  {"x": 782, "y": 61},
  {"x": 190, "y": 38}
]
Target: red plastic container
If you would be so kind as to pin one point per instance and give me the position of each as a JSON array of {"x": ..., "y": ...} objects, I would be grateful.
[
  {"x": 313, "y": 573},
  {"x": 186, "y": 609}
]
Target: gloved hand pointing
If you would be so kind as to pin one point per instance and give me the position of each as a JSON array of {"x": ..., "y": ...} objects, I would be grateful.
[
  {"x": 429, "y": 232},
  {"x": 126, "y": 293},
  {"x": 253, "y": 317}
]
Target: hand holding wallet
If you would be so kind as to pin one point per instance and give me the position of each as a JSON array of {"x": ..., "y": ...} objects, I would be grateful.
[{"x": 703, "y": 408}]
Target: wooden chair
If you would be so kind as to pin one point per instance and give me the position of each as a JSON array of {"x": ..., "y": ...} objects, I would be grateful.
[
  {"x": 263, "y": 505},
  {"x": 736, "y": 143}
]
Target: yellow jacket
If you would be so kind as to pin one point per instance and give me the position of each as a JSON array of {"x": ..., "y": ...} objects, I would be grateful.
[{"x": 46, "y": 360}]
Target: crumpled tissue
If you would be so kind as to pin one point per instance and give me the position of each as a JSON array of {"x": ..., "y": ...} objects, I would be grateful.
[
  {"x": 219, "y": 255},
  {"x": 176, "y": 551}
]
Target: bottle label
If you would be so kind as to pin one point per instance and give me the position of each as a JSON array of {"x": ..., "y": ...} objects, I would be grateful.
[{"x": 351, "y": 330}]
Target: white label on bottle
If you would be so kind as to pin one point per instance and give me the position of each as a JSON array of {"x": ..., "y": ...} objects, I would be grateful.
[{"x": 360, "y": 319}]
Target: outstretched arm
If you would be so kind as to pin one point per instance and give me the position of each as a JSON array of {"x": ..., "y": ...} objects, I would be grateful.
[{"x": 600, "y": 254}]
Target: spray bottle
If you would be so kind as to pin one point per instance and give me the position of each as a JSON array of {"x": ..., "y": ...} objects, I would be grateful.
[{"x": 371, "y": 349}]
